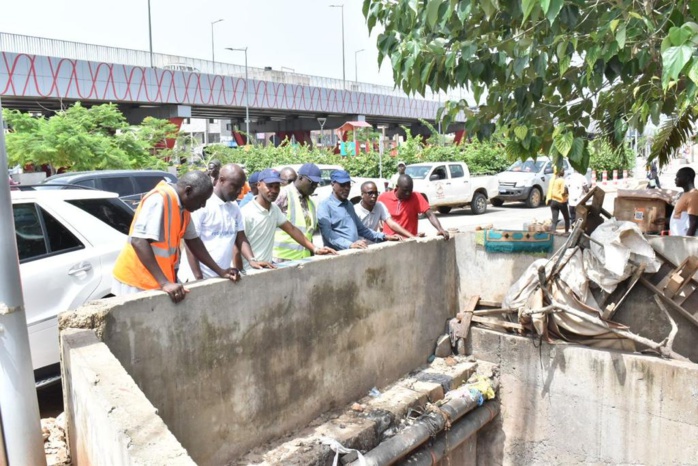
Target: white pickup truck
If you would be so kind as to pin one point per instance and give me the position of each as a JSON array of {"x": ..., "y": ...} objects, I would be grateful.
[{"x": 449, "y": 184}]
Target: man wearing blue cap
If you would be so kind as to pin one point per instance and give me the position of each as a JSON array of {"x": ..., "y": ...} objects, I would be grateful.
[
  {"x": 262, "y": 217},
  {"x": 339, "y": 224},
  {"x": 253, "y": 189},
  {"x": 295, "y": 202}
]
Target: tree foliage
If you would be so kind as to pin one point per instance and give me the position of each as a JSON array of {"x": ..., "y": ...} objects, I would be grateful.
[
  {"x": 81, "y": 138},
  {"x": 486, "y": 157},
  {"x": 550, "y": 72}
]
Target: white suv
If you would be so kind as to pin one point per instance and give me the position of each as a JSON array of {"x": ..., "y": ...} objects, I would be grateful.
[{"x": 67, "y": 241}]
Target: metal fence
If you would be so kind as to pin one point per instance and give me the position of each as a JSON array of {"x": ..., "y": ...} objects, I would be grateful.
[{"x": 16, "y": 43}]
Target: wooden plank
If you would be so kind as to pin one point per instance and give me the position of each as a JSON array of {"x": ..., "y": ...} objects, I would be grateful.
[
  {"x": 690, "y": 317},
  {"x": 486, "y": 303},
  {"x": 498, "y": 323},
  {"x": 613, "y": 307},
  {"x": 469, "y": 307},
  {"x": 462, "y": 326},
  {"x": 489, "y": 312}
]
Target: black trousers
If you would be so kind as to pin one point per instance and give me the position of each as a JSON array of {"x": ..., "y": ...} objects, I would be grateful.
[{"x": 560, "y": 207}]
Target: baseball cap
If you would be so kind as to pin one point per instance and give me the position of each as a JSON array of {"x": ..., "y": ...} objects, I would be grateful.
[
  {"x": 269, "y": 175},
  {"x": 401, "y": 163},
  {"x": 340, "y": 176},
  {"x": 311, "y": 171},
  {"x": 254, "y": 178}
]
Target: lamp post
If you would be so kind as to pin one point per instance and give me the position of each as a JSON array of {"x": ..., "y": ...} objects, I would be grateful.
[
  {"x": 247, "y": 94},
  {"x": 213, "y": 46},
  {"x": 150, "y": 35},
  {"x": 20, "y": 426},
  {"x": 356, "y": 65},
  {"x": 381, "y": 150},
  {"x": 344, "y": 63},
  {"x": 322, "y": 121}
]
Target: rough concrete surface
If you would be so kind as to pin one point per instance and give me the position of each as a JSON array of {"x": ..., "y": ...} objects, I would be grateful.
[
  {"x": 564, "y": 404},
  {"x": 110, "y": 422},
  {"x": 489, "y": 274},
  {"x": 367, "y": 422},
  {"x": 641, "y": 313},
  {"x": 235, "y": 365}
]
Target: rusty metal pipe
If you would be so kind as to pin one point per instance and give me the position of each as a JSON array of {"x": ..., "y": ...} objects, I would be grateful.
[
  {"x": 393, "y": 449},
  {"x": 449, "y": 440}
]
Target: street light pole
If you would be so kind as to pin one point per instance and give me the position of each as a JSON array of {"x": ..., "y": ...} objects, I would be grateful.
[
  {"x": 247, "y": 94},
  {"x": 356, "y": 65},
  {"x": 20, "y": 423},
  {"x": 213, "y": 46},
  {"x": 150, "y": 35},
  {"x": 344, "y": 63}
]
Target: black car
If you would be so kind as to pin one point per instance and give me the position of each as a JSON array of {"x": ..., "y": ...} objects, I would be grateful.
[{"x": 130, "y": 185}]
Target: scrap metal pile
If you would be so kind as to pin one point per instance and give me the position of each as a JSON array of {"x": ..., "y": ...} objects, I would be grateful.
[{"x": 553, "y": 299}]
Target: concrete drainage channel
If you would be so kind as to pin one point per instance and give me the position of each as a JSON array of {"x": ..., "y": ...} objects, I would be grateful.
[
  {"x": 424, "y": 417},
  {"x": 259, "y": 372}
]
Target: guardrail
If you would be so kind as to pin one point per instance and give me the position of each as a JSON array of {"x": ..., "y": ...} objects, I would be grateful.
[{"x": 17, "y": 43}]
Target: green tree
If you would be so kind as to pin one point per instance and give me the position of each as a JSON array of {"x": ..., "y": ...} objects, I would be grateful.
[
  {"x": 545, "y": 71},
  {"x": 81, "y": 138}
]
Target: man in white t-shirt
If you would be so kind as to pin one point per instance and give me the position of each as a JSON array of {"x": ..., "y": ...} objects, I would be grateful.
[
  {"x": 220, "y": 227},
  {"x": 401, "y": 167},
  {"x": 373, "y": 213},
  {"x": 262, "y": 217},
  {"x": 577, "y": 187}
]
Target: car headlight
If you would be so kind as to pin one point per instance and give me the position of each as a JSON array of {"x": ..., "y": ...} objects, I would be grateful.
[{"x": 521, "y": 184}]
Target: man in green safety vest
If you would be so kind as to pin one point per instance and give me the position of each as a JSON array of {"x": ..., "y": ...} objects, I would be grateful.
[{"x": 294, "y": 201}]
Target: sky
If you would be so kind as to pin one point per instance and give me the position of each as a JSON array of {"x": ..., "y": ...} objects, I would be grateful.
[{"x": 304, "y": 35}]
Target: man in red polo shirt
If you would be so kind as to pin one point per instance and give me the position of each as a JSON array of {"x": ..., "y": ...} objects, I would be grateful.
[{"x": 405, "y": 206}]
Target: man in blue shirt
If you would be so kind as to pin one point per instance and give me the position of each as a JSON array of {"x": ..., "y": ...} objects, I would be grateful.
[
  {"x": 254, "y": 177},
  {"x": 339, "y": 225}
]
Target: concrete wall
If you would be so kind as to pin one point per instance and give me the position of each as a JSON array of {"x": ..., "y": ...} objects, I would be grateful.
[
  {"x": 488, "y": 274},
  {"x": 565, "y": 404},
  {"x": 641, "y": 313},
  {"x": 236, "y": 365},
  {"x": 110, "y": 421}
]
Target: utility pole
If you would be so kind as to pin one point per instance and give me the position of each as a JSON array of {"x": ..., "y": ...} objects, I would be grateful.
[
  {"x": 356, "y": 65},
  {"x": 150, "y": 35},
  {"x": 247, "y": 94},
  {"x": 213, "y": 46},
  {"x": 344, "y": 63},
  {"x": 19, "y": 408}
]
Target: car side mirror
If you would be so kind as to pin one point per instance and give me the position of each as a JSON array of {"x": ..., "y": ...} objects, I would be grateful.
[
  {"x": 434, "y": 177},
  {"x": 548, "y": 171}
]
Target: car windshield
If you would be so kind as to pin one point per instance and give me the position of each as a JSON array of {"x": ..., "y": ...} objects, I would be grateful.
[
  {"x": 418, "y": 172},
  {"x": 111, "y": 211},
  {"x": 325, "y": 173},
  {"x": 529, "y": 166}
]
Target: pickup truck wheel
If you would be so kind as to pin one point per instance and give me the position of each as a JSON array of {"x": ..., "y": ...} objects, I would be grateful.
[
  {"x": 497, "y": 202},
  {"x": 534, "y": 198},
  {"x": 443, "y": 209},
  {"x": 479, "y": 204}
]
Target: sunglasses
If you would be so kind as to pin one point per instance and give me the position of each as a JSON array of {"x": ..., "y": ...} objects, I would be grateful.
[{"x": 344, "y": 185}]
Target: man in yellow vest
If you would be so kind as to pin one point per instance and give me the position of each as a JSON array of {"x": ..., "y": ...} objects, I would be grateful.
[
  {"x": 557, "y": 198},
  {"x": 295, "y": 202},
  {"x": 151, "y": 255}
]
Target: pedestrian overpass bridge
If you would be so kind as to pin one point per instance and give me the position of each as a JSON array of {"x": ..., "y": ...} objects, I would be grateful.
[{"x": 41, "y": 75}]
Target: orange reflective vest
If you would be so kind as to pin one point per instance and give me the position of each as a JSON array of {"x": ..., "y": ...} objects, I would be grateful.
[{"x": 129, "y": 269}]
